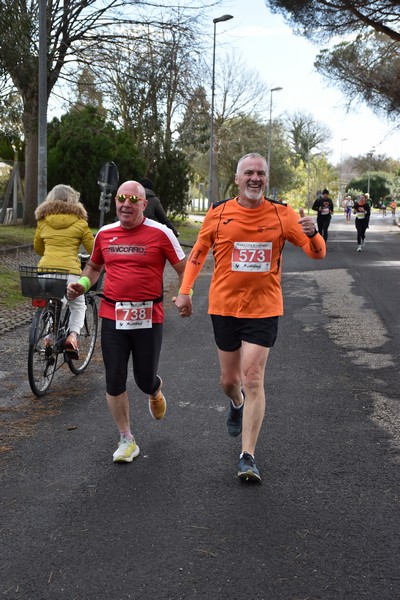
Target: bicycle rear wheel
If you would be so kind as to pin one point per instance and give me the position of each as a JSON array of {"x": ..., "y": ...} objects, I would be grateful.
[
  {"x": 87, "y": 338},
  {"x": 42, "y": 357}
]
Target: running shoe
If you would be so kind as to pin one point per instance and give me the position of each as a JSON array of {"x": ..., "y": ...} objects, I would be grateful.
[
  {"x": 157, "y": 403},
  {"x": 71, "y": 345},
  {"x": 247, "y": 468},
  {"x": 235, "y": 417},
  {"x": 363, "y": 243},
  {"x": 359, "y": 248},
  {"x": 127, "y": 450}
]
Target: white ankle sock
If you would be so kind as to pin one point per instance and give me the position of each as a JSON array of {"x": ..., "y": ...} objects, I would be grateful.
[{"x": 241, "y": 454}]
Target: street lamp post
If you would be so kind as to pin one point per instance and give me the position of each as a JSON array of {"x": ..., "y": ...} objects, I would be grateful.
[
  {"x": 275, "y": 89},
  {"x": 340, "y": 170},
  {"x": 308, "y": 165},
  {"x": 370, "y": 154},
  {"x": 210, "y": 170}
]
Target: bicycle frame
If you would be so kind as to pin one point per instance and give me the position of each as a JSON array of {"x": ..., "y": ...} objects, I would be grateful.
[
  {"x": 47, "y": 335},
  {"x": 40, "y": 305},
  {"x": 50, "y": 327}
]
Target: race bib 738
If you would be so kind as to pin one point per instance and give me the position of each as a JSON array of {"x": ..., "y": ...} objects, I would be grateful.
[{"x": 133, "y": 315}]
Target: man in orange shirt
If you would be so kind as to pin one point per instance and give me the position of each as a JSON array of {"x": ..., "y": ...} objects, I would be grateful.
[{"x": 247, "y": 235}]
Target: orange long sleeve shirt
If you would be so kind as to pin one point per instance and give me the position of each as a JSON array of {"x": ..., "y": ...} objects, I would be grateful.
[{"x": 247, "y": 244}]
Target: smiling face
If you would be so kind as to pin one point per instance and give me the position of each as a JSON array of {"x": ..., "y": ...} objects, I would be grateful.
[
  {"x": 251, "y": 177},
  {"x": 130, "y": 214}
]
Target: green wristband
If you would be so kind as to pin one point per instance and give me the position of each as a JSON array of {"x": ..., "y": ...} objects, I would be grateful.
[{"x": 85, "y": 282}]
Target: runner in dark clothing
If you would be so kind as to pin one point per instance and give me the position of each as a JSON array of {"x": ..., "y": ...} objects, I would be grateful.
[
  {"x": 362, "y": 210},
  {"x": 324, "y": 206}
]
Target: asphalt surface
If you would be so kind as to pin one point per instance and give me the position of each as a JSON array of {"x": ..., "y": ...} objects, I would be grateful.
[{"x": 177, "y": 523}]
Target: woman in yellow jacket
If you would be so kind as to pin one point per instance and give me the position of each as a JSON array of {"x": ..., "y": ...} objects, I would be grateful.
[{"x": 62, "y": 226}]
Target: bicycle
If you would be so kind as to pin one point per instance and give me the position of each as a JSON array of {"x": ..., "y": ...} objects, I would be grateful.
[{"x": 49, "y": 328}]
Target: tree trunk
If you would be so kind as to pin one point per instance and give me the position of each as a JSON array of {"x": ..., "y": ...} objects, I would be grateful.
[{"x": 31, "y": 169}]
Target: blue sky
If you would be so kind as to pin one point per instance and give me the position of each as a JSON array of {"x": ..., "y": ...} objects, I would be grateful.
[{"x": 284, "y": 60}]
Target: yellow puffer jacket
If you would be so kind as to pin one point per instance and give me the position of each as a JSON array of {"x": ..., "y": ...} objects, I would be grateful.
[{"x": 61, "y": 229}]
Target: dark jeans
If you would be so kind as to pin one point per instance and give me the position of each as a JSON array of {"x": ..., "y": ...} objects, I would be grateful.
[{"x": 323, "y": 222}]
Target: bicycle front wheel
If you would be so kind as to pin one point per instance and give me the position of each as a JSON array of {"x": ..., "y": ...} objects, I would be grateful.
[
  {"x": 87, "y": 338},
  {"x": 42, "y": 357}
]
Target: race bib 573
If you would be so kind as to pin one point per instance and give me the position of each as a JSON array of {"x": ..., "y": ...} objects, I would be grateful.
[{"x": 252, "y": 256}]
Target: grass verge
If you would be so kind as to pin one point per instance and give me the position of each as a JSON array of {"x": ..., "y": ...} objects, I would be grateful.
[
  {"x": 10, "y": 289},
  {"x": 15, "y": 235}
]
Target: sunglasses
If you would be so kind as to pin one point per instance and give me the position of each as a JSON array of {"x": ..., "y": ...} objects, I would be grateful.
[{"x": 132, "y": 199}]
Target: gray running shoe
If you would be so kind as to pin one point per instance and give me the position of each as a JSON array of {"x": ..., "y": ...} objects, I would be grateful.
[{"x": 247, "y": 468}]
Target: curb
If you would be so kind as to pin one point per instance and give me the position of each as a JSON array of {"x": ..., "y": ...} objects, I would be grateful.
[
  {"x": 11, "y": 318},
  {"x": 16, "y": 249}
]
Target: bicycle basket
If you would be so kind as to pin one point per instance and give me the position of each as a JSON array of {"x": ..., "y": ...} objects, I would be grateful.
[{"x": 42, "y": 283}]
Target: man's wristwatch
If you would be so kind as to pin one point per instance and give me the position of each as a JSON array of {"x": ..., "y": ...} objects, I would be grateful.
[{"x": 312, "y": 235}]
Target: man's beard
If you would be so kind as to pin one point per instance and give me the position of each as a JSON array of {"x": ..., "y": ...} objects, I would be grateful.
[{"x": 254, "y": 194}]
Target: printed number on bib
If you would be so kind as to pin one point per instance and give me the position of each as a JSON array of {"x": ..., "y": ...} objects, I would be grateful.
[
  {"x": 133, "y": 315},
  {"x": 252, "y": 256}
]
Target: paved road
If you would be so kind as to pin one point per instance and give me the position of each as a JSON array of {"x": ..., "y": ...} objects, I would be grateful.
[{"x": 177, "y": 523}]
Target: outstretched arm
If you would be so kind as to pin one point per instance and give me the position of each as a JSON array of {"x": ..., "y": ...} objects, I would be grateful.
[
  {"x": 316, "y": 247},
  {"x": 195, "y": 262}
]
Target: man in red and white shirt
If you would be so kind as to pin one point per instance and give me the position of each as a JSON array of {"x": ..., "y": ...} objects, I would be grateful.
[{"x": 133, "y": 251}]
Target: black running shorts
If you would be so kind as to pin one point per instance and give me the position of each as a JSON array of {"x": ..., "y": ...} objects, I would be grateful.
[
  {"x": 230, "y": 332},
  {"x": 117, "y": 346}
]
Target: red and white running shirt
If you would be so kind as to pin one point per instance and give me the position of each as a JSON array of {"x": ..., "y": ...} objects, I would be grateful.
[{"x": 134, "y": 261}]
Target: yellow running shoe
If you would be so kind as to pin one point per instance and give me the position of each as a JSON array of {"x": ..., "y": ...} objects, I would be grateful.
[
  {"x": 127, "y": 450},
  {"x": 157, "y": 403}
]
